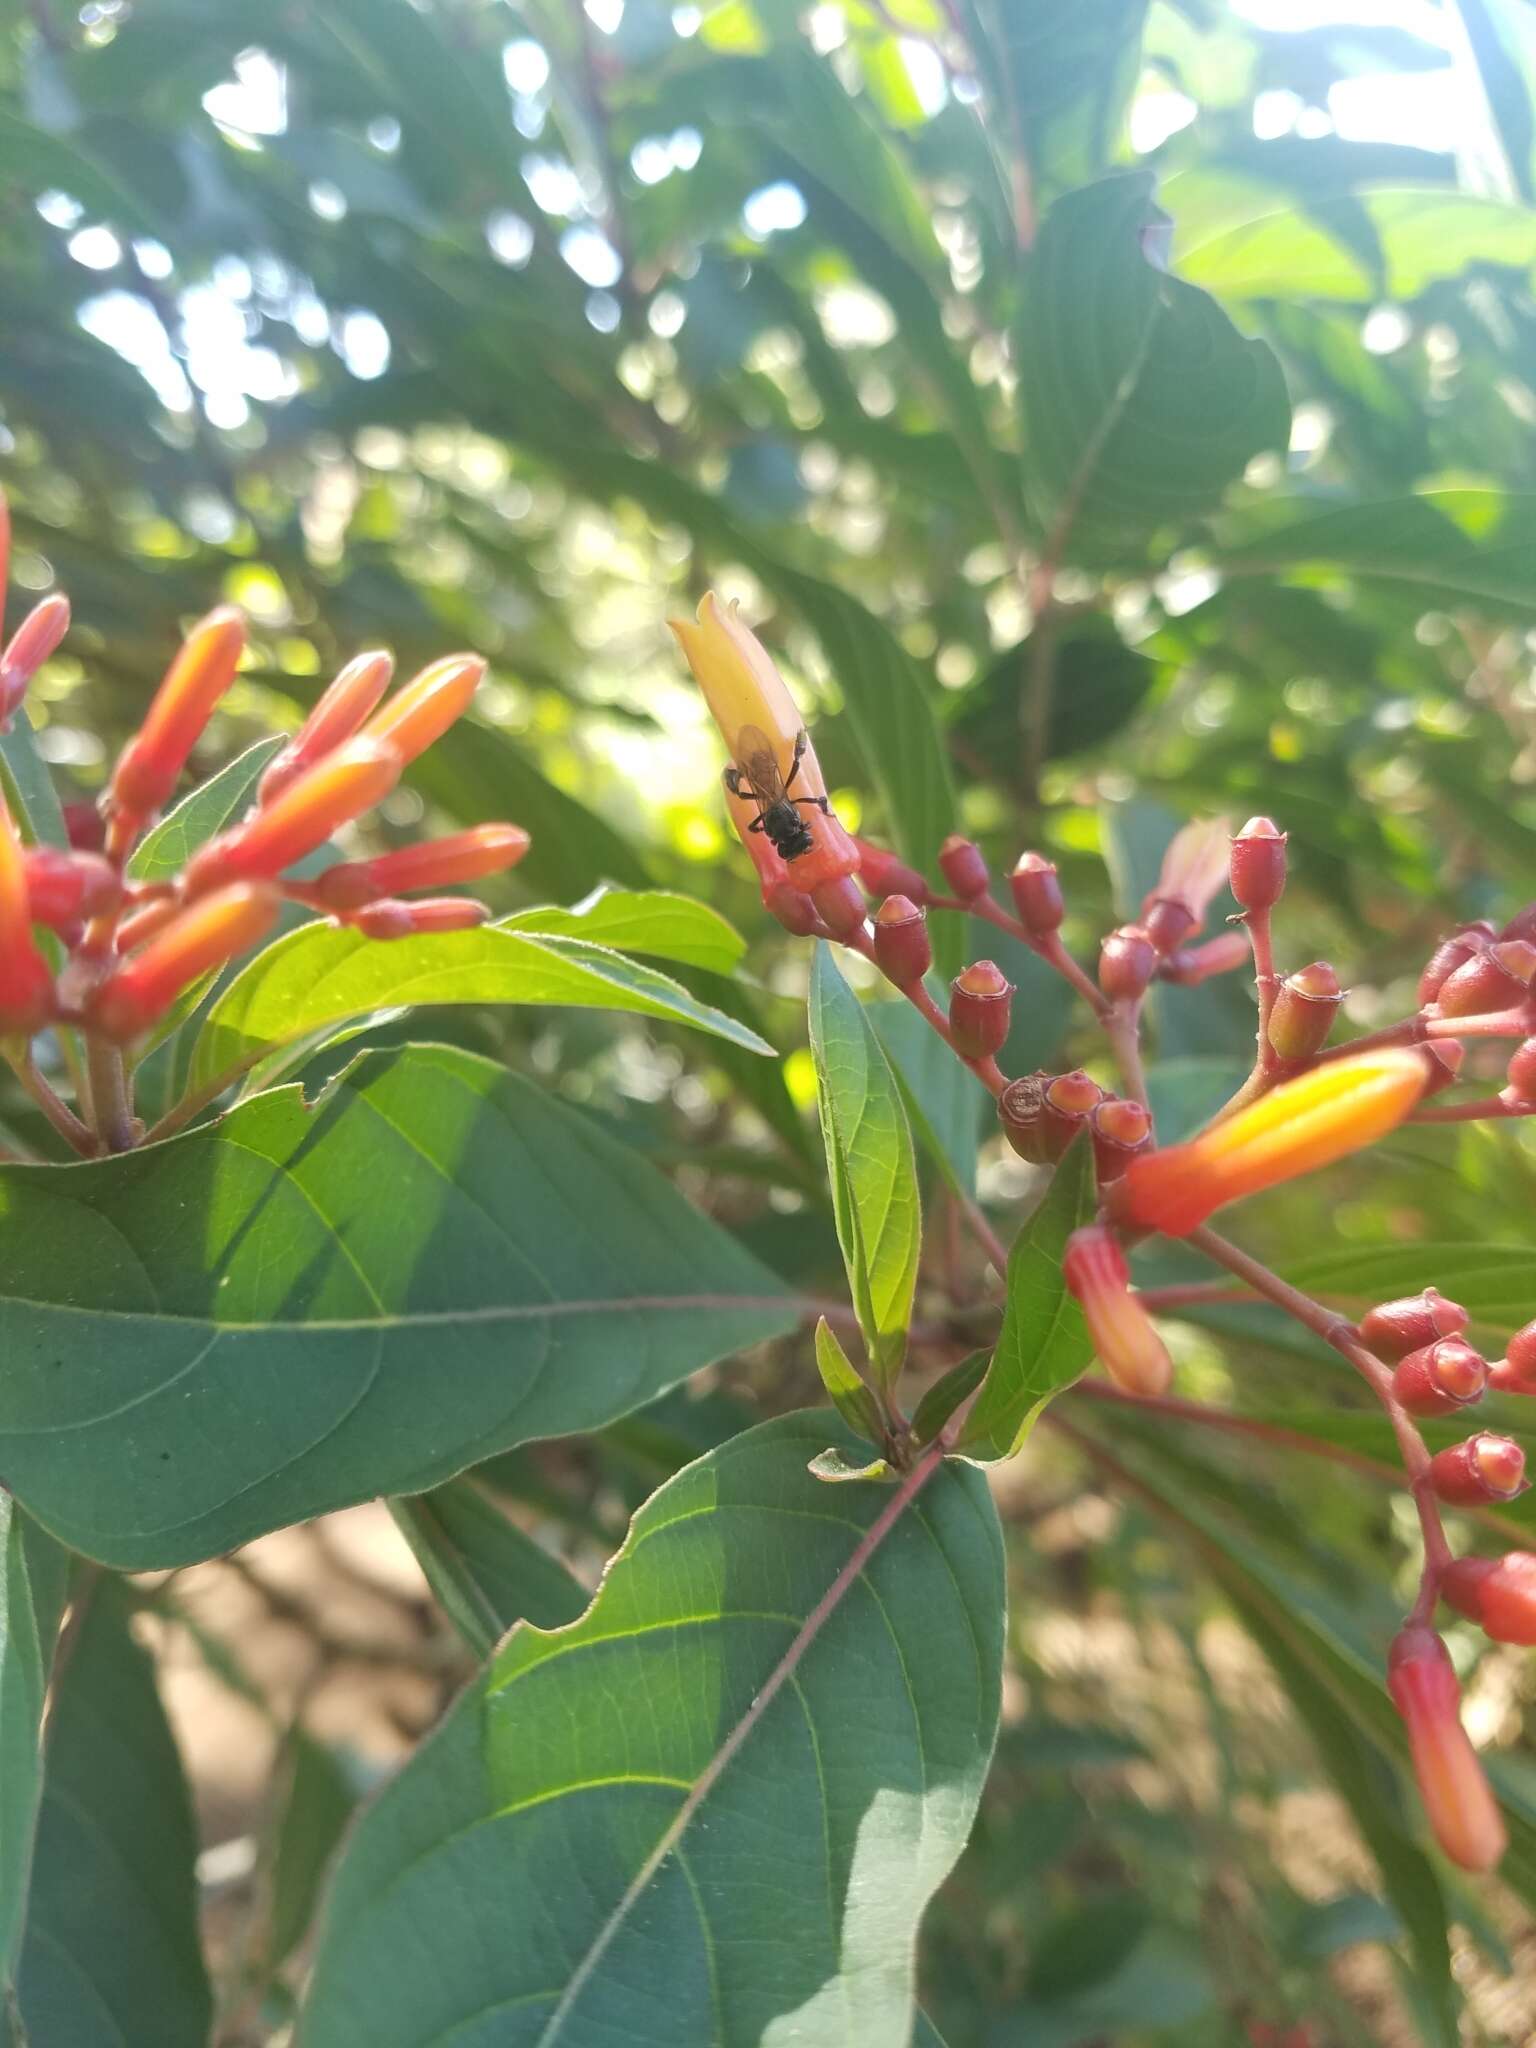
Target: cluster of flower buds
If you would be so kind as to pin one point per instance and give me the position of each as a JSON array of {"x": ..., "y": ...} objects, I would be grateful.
[
  {"x": 131, "y": 947},
  {"x": 1041, "y": 1114},
  {"x": 1435, "y": 1373}
]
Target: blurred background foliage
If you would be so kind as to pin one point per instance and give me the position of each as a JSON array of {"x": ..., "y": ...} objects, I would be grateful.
[{"x": 1109, "y": 412}]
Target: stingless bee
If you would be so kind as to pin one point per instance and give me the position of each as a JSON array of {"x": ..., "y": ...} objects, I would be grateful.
[{"x": 757, "y": 775}]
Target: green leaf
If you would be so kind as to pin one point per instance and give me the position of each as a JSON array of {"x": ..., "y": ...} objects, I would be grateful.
[
  {"x": 111, "y": 1952},
  {"x": 485, "y": 1572},
  {"x": 942, "y": 1097},
  {"x": 1068, "y": 69},
  {"x": 323, "y": 974},
  {"x": 29, "y": 787},
  {"x": 163, "y": 852},
  {"x": 318, "y": 1801},
  {"x": 869, "y": 1158},
  {"x": 34, "y": 1576},
  {"x": 746, "y": 1859},
  {"x": 1142, "y": 401},
  {"x": 1043, "y": 1345},
  {"x": 945, "y": 1395},
  {"x": 305, "y": 1305},
  {"x": 845, "y": 1389},
  {"x": 653, "y": 921}
]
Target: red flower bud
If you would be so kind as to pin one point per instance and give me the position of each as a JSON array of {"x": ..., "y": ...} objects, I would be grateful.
[
  {"x": 1120, "y": 1131},
  {"x": 1505, "y": 1378},
  {"x": 1522, "y": 1071},
  {"x": 1257, "y": 872},
  {"x": 1037, "y": 897},
  {"x": 393, "y": 918},
  {"x": 348, "y": 781},
  {"x": 1521, "y": 1351},
  {"x": 63, "y": 887},
  {"x": 1070, "y": 1099},
  {"x": 1394, "y": 1328},
  {"x": 84, "y": 828},
  {"x": 204, "y": 935},
  {"x": 1446, "y": 1057},
  {"x": 1127, "y": 962},
  {"x": 793, "y": 909},
  {"x": 26, "y": 986},
  {"x": 886, "y": 875},
  {"x": 150, "y": 765},
  {"x": 1460, "y": 1807},
  {"x": 1494, "y": 980},
  {"x": 430, "y": 864},
  {"x": 422, "y": 710},
  {"x": 980, "y": 1009},
  {"x": 1450, "y": 954},
  {"x": 1521, "y": 926},
  {"x": 1498, "y": 1593},
  {"x": 1122, "y": 1332},
  {"x": 1484, "y": 1468},
  {"x": 1194, "y": 964},
  {"x": 1304, "y": 1009},
  {"x": 342, "y": 708},
  {"x": 1439, "y": 1378},
  {"x": 28, "y": 648},
  {"x": 1021, "y": 1112},
  {"x": 1168, "y": 922},
  {"x": 964, "y": 868},
  {"x": 903, "y": 950},
  {"x": 839, "y": 903}
]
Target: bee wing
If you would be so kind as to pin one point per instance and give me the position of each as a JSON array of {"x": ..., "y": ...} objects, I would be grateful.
[{"x": 760, "y": 765}]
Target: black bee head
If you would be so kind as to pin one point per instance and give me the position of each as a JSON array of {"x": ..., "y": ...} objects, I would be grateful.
[{"x": 789, "y": 832}]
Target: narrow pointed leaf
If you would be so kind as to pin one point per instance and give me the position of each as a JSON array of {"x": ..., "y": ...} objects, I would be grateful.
[
  {"x": 197, "y": 817},
  {"x": 29, "y": 787},
  {"x": 307, "y": 1305},
  {"x": 34, "y": 1574},
  {"x": 846, "y": 1391},
  {"x": 744, "y": 1860},
  {"x": 485, "y": 1571}
]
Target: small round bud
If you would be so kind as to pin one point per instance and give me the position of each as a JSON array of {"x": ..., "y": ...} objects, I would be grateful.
[
  {"x": 1484, "y": 1468},
  {"x": 1021, "y": 1112},
  {"x": 840, "y": 905},
  {"x": 1168, "y": 922},
  {"x": 884, "y": 874},
  {"x": 1127, "y": 962},
  {"x": 1070, "y": 1099},
  {"x": 903, "y": 950},
  {"x": 1498, "y": 1593},
  {"x": 1037, "y": 897},
  {"x": 964, "y": 868},
  {"x": 1120, "y": 1130},
  {"x": 980, "y": 1010},
  {"x": 1445, "y": 1057},
  {"x": 1394, "y": 1328},
  {"x": 1257, "y": 872},
  {"x": 1450, "y": 954},
  {"x": 1495, "y": 980},
  {"x": 1522, "y": 1071},
  {"x": 1304, "y": 1010},
  {"x": 1439, "y": 1378},
  {"x": 793, "y": 909}
]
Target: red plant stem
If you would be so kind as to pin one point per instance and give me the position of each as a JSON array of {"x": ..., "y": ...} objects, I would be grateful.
[
  {"x": 69, "y": 1127},
  {"x": 1123, "y": 1028},
  {"x": 1344, "y": 1338},
  {"x": 987, "y": 1071},
  {"x": 1189, "y": 1294},
  {"x": 1050, "y": 949},
  {"x": 1472, "y": 1112},
  {"x": 1265, "y": 980}
]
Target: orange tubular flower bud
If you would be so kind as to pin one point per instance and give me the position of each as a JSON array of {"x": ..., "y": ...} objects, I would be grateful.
[
  {"x": 1498, "y": 1593},
  {"x": 343, "y": 707},
  {"x": 26, "y": 986},
  {"x": 1321, "y": 1116},
  {"x": 775, "y": 790},
  {"x": 433, "y": 864},
  {"x": 1037, "y": 896},
  {"x": 903, "y": 951},
  {"x": 394, "y": 919},
  {"x": 1457, "y": 1799},
  {"x": 1440, "y": 1378},
  {"x": 885, "y": 875},
  {"x": 204, "y": 935},
  {"x": 1394, "y": 1328},
  {"x": 422, "y": 710},
  {"x": 349, "y": 781},
  {"x": 980, "y": 1009},
  {"x": 964, "y": 867},
  {"x": 1193, "y": 964},
  {"x": 62, "y": 887},
  {"x": 1128, "y": 1346},
  {"x": 150, "y": 765},
  {"x": 1120, "y": 1131},
  {"x": 1305, "y": 1006},
  {"x": 1256, "y": 872},
  {"x": 1485, "y": 1468},
  {"x": 29, "y": 647}
]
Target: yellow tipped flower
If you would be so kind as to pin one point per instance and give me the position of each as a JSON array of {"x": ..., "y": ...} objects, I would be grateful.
[
  {"x": 771, "y": 755},
  {"x": 1303, "y": 1124},
  {"x": 151, "y": 763},
  {"x": 1129, "y": 1348}
]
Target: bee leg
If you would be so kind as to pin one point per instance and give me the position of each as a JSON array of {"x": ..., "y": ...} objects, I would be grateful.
[
  {"x": 756, "y": 824},
  {"x": 732, "y": 780},
  {"x": 821, "y": 803},
  {"x": 801, "y": 743}
]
